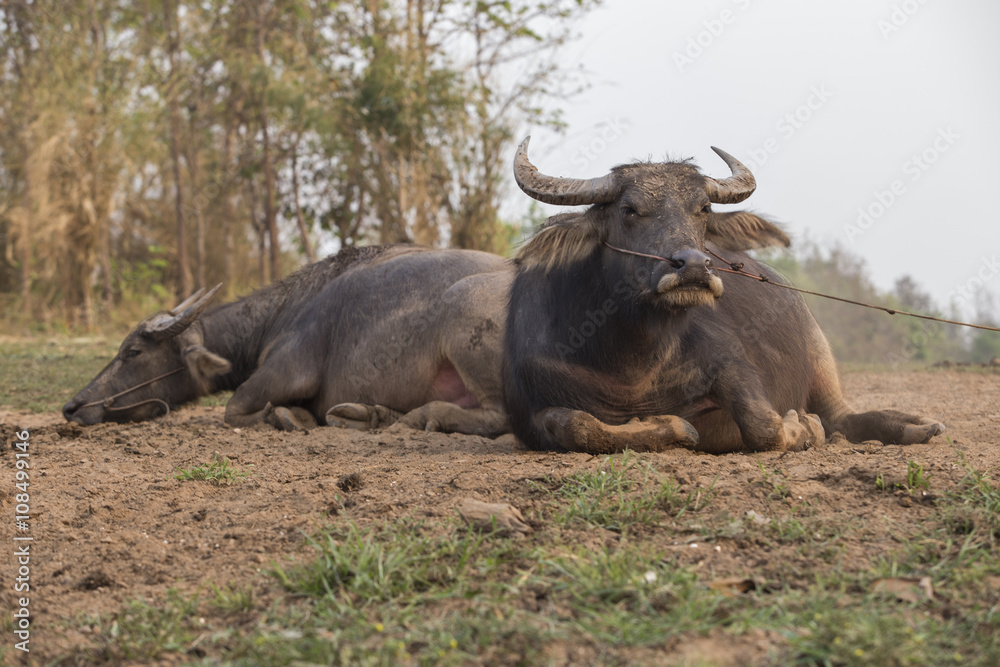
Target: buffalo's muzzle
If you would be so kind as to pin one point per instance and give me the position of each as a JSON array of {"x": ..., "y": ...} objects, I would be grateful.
[
  {"x": 73, "y": 412},
  {"x": 691, "y": 281}
]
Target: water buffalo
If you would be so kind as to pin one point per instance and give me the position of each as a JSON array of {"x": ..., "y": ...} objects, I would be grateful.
[
  {"x": 359, "y": 339},
  {"x": 620, "y": 334}
]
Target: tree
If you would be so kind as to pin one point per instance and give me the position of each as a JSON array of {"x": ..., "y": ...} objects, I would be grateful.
[{"x": 142, "y": 140}]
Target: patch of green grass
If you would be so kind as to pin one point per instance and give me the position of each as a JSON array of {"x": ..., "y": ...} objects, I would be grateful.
[
  {"x": 391, "y": 564},
  {"x": 44, "y": 375},
  {"x": 144, "y": 631},
  {"x": 877, "y": 632},
  {"x": 219, "y": 472},
  {"x": 916, "y": 478},
  {"x": 623, "y": 492},
  {"x": 232, "y": 599},
  {"x": 629, "y": 596},
  {"x": 880, "y": 483},
  {"x": 371, "y": 596},
  {"x": 958, "y": 547},
  {"x": 773, "y": 482},
  {"x": 216, "y": 400},
  {"x": 41, "y": 376},
  {"x": 974, "y": 506}
]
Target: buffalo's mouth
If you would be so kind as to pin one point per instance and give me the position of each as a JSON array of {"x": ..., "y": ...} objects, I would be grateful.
[
  {"x": 675, "y": 291},
  {"x": 97, "y": 412}
]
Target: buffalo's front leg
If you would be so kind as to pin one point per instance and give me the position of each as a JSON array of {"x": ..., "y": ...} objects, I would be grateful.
[
  {"x": 761, "y": 427},
  {"x": 271, "y": 392},
  {"x": 578, "y": 431}
]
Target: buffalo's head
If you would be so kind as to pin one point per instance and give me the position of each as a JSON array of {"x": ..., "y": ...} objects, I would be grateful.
[
  {"x": 663, "y": 210},
  {"x": 161, "y": 363}
]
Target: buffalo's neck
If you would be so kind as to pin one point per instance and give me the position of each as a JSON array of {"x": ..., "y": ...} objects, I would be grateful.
[
  {"x": 239, "y": 332},
  {"x": 610, "y": 331}
]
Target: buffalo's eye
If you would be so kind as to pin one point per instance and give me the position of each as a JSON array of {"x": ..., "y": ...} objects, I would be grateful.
[
  {"x": 707, "y": 208},
  {"x": 628, "y": 211},
  {"x": 133, "y": 353}
]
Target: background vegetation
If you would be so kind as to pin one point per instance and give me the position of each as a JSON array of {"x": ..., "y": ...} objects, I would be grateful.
[{"x": 149, "y": 148}]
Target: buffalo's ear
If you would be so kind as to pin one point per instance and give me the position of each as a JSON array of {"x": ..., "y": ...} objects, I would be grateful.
[
  {"x": 204, "y": 365},
  {"x": 566, "y": 238},
  {"x": 740, "y": 230}
]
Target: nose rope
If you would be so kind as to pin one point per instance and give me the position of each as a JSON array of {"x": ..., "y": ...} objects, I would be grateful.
[
  {"x": 166, "y": 407},
  {"x": 673, "y": 262},
  {"x": 737, "y": 268},
  {"x": 108, "y": 402}
]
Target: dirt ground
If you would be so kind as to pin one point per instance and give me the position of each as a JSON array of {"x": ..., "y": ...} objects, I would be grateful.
[{"x": 110, "y": 522}]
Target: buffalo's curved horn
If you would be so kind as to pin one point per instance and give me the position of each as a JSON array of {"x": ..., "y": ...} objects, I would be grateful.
[
  {"x": 560, "y": 191},
  {"x": 177, "y": 310},
  {"x": 174, "y": 323},
  {"x": 734, "y": 189}
]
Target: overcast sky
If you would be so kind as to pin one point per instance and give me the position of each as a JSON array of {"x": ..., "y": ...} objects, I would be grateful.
[{"x": 887, "y": 106}]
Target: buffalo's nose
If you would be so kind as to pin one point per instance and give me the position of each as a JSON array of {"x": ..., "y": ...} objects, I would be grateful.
[
  {"x": 690, "y": 259},
  {"x": 69, "y": 409}
]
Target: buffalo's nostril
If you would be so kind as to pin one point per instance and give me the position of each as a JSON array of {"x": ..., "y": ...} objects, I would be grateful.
[
  {"x": 69, "y": 409},
  {"x": 690, "y": 258}
]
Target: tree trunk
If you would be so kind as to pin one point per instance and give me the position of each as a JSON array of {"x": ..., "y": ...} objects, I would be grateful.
[
  {"x": 306, "y": 244},
  {"x": 260, "y": 226},
  {"x": 25, "y": 235},
  {"x": 270, "y": 213},
  {"x": 228, "y": 208},
  {"x": 173, "y": 46},
  {"x": 199, "y": 218}
]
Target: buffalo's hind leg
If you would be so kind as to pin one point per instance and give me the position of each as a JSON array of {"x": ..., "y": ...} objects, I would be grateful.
[
  {"x": 361, "y": 417},
  {"x": 888, "y": 426},
  {"x": 450, "y": 418},
  {"x": 434, "y": 416},
  {"x": 578, "y": 431}
]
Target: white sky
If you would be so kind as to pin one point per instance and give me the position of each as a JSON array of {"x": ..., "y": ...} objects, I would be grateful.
[{"x": 883, "y": 99}]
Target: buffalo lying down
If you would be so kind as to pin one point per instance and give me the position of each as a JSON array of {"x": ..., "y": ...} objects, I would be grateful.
[
  {"x": 359, "y": 339},
  {"x": 606, "y": 349}
]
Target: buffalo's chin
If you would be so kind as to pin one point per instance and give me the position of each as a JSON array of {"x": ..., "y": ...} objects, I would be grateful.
[
  {"x": 676, "y": 293},
  {"x": 687, "y": 297},
  {"x": 85, "y": 417},
  {"x": 98, "y": 415}
]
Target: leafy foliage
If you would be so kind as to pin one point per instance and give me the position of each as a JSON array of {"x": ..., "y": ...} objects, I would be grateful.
[{"x": 237, "y": 136}]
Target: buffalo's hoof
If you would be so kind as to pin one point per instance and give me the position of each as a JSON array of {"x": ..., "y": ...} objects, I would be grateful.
[
  {"x": 801, "y": 431},
  {"x": 579, "y": 431},
  {"x": 289, "y": 419},
  {"x": 918, "y": 434},
  {"x": 360, "y": 417},
  {"x": 350, "y": 415}
]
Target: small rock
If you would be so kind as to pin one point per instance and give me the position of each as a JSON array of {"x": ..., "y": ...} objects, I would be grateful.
[
  {"x": 490, "y": 516},
  {"x": 350, "y": 482},
  {"x": 69, "y": 430}
]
